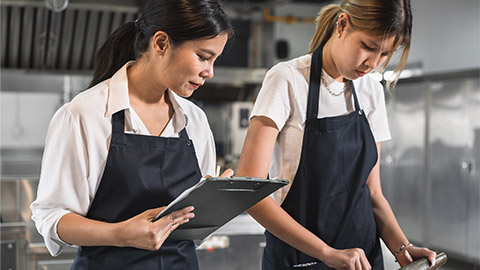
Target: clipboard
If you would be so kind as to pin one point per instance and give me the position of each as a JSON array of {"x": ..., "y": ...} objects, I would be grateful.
[{"x": 218, "y": 200}]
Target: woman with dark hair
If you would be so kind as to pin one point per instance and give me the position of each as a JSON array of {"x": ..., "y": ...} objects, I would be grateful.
[
  {"x": 126, "y": 147},
  {"x": 320, "y": 122}
]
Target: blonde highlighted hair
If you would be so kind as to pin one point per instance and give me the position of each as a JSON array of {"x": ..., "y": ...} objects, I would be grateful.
[{"x": 384, "y": 18}]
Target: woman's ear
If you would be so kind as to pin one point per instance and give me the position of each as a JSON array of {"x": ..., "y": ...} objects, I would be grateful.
[
  {"x": 160, "y": 42},
  {"x": 342, "y": 24}
]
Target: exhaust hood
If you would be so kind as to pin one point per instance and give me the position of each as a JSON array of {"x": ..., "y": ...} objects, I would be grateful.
[{"x": 34, "y": 37}]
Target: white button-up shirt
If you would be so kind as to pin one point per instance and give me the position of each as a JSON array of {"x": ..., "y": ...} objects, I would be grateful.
[{"x": 77, "y": 146}]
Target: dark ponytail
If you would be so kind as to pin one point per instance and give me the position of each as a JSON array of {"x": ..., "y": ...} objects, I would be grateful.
[
  {"x": 182, "y": 20},
  {"x": 115, "y": 52}
]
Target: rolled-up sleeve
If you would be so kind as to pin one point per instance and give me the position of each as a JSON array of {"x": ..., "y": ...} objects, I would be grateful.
[
  {"x": 63, "y": 186},
  {"x": 203, "y": 141},
  {"x": 207, "y": 161}
]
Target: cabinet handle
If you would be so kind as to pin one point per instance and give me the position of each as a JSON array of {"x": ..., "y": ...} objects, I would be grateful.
[{"x": 468, "y": 166}]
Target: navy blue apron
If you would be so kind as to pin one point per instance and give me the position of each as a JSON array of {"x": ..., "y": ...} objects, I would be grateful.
[
  {"x": 329, "y": 195},
  {"x": 142, "y": 172}
]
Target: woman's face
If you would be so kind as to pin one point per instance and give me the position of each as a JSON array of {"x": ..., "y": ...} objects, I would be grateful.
[
  {"x": 356, "y": 53},
  {"x": 186, "y": 67}
]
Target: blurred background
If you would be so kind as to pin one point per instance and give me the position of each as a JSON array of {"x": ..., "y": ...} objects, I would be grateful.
[{"x": 430, "y": 169}]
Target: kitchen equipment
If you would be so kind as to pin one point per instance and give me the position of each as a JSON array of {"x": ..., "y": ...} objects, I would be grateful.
[
  {"x": 229, "y": 123},
  {"x": 423, "y": 264}
]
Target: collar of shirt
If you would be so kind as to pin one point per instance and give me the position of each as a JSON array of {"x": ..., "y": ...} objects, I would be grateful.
[{"x": 118, "y": 99}]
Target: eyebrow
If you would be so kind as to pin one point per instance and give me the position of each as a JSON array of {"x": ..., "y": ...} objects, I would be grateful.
[
  {"x": 208, "y": 51},
  {"x": 378, "y": 46},
  {"x": 374, "y": 43}
]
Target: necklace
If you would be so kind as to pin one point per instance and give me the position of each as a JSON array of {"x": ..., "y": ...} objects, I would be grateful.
[{"x": 330, "y": 90}]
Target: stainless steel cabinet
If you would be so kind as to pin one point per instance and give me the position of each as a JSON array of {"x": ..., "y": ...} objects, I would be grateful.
[
  {"x": 471, "y": 167},
  {"x": 403, "y": 157},
  {"x": 430, "y": 169},
  {"x": 447, "y": 187}
]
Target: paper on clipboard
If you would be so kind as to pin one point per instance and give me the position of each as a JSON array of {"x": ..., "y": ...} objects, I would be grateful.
[{"x": 179, "y": 198}]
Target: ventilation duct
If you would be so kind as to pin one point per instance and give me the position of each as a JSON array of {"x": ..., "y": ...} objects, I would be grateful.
[{"x": 34, "y": 37}]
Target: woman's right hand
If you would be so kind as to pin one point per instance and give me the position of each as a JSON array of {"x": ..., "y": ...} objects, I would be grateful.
[
  {"x": 140, "y": 232},
  {"x": 347, "y": 259}
]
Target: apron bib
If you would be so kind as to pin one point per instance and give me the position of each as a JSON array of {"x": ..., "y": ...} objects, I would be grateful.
[
  {"x": 329, "y": 195},
  {"x": 141, "y": 173}
]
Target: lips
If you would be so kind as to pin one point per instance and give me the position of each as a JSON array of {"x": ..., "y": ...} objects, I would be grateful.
[
  {"x": 360, "y": 73},
  {"x": 196, "y": 85}
]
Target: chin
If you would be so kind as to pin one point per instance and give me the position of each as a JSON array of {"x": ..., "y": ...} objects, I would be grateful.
[
  {"x": 352, "y": 76},
  {"x": 184, "y": 93}
]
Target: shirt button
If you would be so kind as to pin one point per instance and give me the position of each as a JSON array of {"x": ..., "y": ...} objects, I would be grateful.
[
  {"x": 360, "y": 112},
  {"x": 189, "y": 142}
]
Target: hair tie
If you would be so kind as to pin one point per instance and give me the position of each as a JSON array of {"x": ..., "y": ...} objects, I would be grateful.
[{"x": 140, "y": 24}]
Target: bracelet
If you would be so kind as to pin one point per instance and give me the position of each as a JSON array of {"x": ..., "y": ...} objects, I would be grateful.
[{"x": 400, "y": 250}]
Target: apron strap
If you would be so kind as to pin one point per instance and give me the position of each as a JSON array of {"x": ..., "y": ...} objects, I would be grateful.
[
  {"x": 355, "y": 99},
  {"x": 183, "y": 133},
  {"x": 118, "y": 122},
  {"x": 314, "y": 85}
]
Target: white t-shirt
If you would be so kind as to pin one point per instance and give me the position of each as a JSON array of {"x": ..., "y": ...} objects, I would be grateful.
[
  {"x": 283, "y": 98},
  {"x": 77, "y": 146}
]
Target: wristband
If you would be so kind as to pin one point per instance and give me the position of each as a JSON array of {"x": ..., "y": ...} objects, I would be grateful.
[{"x": 400, "y": 250}]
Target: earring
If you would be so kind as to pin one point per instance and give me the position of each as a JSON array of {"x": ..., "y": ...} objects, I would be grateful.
[{"x": 338, "y": 36}]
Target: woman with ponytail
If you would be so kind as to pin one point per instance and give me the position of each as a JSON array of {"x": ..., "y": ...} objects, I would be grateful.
[
  {"x": 318, "y": 121},
  {"x": 127, "y": 146}
]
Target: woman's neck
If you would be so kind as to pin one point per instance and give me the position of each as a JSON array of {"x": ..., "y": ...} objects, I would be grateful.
[
  {"x": 148, "y": 98},
  {"x": 142, "y": 85},
  {"x": 328, "y": 64}
]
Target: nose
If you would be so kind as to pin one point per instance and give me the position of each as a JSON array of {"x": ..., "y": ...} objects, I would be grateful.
[
  {"x": 373, "y": 61},
  {"x": 207, "y": 73}
]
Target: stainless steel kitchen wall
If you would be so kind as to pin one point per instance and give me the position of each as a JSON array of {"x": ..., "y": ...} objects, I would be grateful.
[{"x": 430, "y": 169}]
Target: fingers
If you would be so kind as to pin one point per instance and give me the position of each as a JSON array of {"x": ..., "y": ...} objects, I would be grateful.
[
  {"x": 432, "y": 256},
  {"x": 227, "y": 173},
  {"x": 167, "y": 224},
  {"x": 408, "y": 257},
  {"x": 432, "y": 259},
  {"x": 415, "y": 253},
  {"x": 140, "y": 232},
  {"x": 176, "y": 218},
  {"x": 351, "y": 259},
  {"x": 364, "y": 261},
  {"x": 361, "y": 261},
  {"x": 181, "y": 216},
  {"x": 358, "y": 265}
]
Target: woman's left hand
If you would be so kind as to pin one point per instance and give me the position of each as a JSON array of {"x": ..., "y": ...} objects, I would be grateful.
[
  {"x": 411, "y": 253},
  {"x": 227, "y": 173}
]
